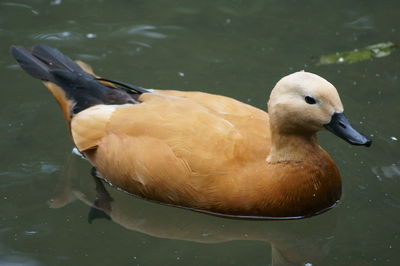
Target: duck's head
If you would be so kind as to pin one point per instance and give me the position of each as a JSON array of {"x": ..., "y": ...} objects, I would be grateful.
[{"x": 304, "y": 103}]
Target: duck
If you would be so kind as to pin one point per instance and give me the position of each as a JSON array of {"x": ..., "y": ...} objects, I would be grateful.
[{"x": 200, "y": 151}]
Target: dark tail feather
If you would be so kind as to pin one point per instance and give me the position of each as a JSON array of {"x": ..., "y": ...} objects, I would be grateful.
[
  {"x": 80, "y": 90},
  {"x": 43, "y": 59},
  {"x": 32, "y": 65},
  {"x": 56, "y": 58}
]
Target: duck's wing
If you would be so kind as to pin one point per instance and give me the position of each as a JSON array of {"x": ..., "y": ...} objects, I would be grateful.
[
  {"x": 189, "y": 129},
  {"x": 165, "y": 143},
  {"x": 251, "y": 122}
]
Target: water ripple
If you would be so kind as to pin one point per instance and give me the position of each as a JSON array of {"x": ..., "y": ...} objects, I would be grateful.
[
  {"x": 145, "y": 30},
  {"x": 25, "y": 171},
  {"x": 22, "y": 6},
  {"x": 362, "y": 23},
  {"x": 58, "y": 36},
  {"x": 149, "y": 31},
  {"x": 388, "y": 171},
  {"x": 13, "y": 260},
  {"x": 16, "y": 5},
  {"x": 89, "y": 57}
]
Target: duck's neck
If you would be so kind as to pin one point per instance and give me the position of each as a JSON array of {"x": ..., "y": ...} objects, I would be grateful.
[{"x": 288, "y": 147}]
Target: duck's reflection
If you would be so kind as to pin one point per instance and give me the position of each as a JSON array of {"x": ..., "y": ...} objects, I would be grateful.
[{"x": 294, "y": 242}]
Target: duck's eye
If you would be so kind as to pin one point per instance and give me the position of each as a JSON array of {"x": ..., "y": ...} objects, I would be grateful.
[{"x": 310, "y": 100}]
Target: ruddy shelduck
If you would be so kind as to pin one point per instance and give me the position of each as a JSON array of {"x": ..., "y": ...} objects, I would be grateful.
[{"x": 202, "y": 151}]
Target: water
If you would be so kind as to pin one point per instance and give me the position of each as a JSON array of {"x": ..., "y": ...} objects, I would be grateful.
[{"x": 235, "y": 48}]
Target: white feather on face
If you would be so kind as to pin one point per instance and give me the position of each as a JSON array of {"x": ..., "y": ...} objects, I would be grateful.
[{"x": 289, "y": 110}]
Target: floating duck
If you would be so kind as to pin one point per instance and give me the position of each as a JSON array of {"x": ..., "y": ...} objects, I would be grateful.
[{"x": 201, "y": 151}]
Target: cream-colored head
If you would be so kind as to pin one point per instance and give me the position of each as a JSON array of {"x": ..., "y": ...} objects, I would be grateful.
[{"x": 303, "y": 103}]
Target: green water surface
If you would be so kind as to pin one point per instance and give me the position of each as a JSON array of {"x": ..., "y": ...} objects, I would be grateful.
[{"x": 236, "y": 48}]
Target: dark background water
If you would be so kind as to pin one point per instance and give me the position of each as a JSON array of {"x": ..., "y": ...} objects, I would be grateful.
[{"x": 235, "y": 48}]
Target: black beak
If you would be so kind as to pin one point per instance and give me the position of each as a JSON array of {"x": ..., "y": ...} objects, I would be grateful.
[{"x": 341, "y": 127}]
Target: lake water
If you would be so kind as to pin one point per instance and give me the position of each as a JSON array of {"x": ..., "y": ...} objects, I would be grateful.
[{"x": 235, "y": 48}]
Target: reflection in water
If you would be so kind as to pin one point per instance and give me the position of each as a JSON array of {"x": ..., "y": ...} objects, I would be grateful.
[{"x": 292, "y": 242}]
